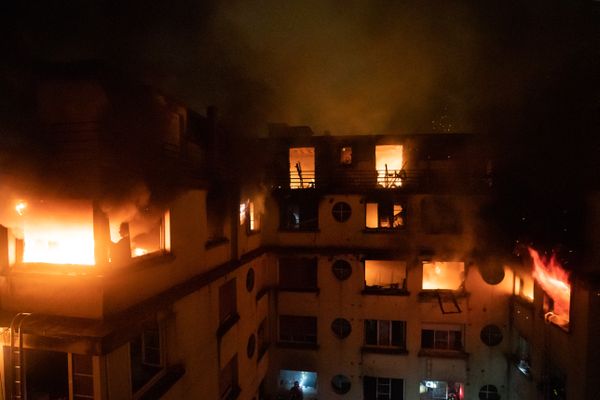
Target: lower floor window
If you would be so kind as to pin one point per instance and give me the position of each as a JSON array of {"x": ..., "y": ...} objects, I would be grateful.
[
  {"x": 377, "y": 388},
  {"x": 441, "y": 390}
]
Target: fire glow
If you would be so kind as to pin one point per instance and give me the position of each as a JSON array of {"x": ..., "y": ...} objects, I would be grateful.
[{"x": 554, "y": 281}]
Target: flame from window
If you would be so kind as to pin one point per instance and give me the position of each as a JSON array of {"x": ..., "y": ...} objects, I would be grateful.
[
  {"x": 389, "y": 162},
  {"x": 448, "y": 275},
  {"x": 554, "y": 281}
]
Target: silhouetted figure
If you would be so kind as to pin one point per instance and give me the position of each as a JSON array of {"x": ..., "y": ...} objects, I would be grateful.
[
  {"x": 296, "y": 392},
  {"x": 120, "y": 252}
]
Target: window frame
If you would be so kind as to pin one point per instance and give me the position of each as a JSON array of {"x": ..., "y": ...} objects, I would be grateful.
[
  {"x": 298, "y": 337},
  {"x": 385, "y": 208},
  {"x": 380, "y": 335},
  {"x": 438, "y": 331}
]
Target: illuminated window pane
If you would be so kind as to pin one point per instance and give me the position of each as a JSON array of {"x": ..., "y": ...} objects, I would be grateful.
[
  {"x": 302, "y": 167},
  {"x": 443, "y": 275},
  {"x": 389, "y": 164},
  {"x": 385, "y": 274},
  {"x": 346, "y": 155}
]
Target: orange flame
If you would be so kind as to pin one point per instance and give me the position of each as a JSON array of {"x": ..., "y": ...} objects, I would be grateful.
[{"x": 554, "y": 280}]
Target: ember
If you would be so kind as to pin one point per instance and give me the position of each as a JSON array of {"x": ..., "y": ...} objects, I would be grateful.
[{"x": 554, "y": 281}]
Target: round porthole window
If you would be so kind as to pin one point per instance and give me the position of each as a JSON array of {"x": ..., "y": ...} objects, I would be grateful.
[
  {"x": 491, "y": 335},
  {"x": 341, "y": 211},
  {"x": 340, "y": 384},
  {"x": 251, "y": 346},
  {"x": 341, "y": 327},
  {"x": 492, "y": 273},
  {"x": 489, "y": 392},
  {"x": 250, "y": 280},
  {"x": 341, "y": 269}
]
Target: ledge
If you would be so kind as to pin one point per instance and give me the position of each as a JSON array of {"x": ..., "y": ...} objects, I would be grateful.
[
  {"x": 433, "y": 294},
  {"x": 300, "y": 346},
  {"x": 383, "y": 230},
  {"x": 164, "y": 383},
  {"x": 385, "y": 292},
  {"x": 456, "y": 354},
  {"x": 211, "y": 244},
  {"x": 262, "y": 351},
  {"x": 262, "y": 292},
  {"x": 305, "y": 230},
  {"x": 227, "y": 325},
  {"x": 300, "y": 290},
  {"x": 384, "y": 350}
]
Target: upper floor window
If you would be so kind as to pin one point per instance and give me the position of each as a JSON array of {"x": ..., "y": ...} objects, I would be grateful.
[
  {"x": 302, "y": 167},
  {"x": 383, "y": 333},
  {"x": 299, "y": 214},
  {"x": 442, "y": 337},
  {"x": 449, "y": 275},
  {"x": 389, "y": 162},
  {"x": 146, "y": 356},
  {"x": 388, "y": 214},
  {"x": 298, "y": 273},
  {"x": 250, "y": 216},
  {"x": 441, "y": 390},
  {"x": 385, "y": 274},
  {"x": 297, "y": 329}
]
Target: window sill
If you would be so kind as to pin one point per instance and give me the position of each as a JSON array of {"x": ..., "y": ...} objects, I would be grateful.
[
  {"x": 261, "y": 293},
  {"x": 299, "y": 230},
  {"x": 253, "y": 233},
  {"x": 298, "y": 345},
  {"x": 300, "y": 290},
  {"x": 456, "y": 354},
  {"x": 212, "y": 243},
  {"x": 227, "y": 325},
  {"x": 383, "y": 230},
  {"x": 164, "y": 383},
  {"x": 384, "y": 350},
  {"x": 434, "y": 294},
  {"x": 376, "y": 291}
]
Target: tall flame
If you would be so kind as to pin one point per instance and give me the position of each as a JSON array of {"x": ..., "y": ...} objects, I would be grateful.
[{"x": 554, "y": 280}]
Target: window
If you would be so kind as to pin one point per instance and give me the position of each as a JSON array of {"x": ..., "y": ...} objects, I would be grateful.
[
  {"x": 228, "y": 380},
  {"x": 302, "y": 167},
  {"x": 341, "y": 269},
  {"x": 250, "y": 216},
  {"x": 381, "y": 275},
  {"x": 227, "y": 302},
  {"x": 375, "y": 388},
  {"x": 250, "y": 277},
  {"x": 341, "y": 327},
  {"x": 298, "y": 273},
  {"x": 297, "y": 329},
  {"x": 385, "y": 215},
  {"x": 341, "y": 384},
  {"x": 448, "y": 275},
  {"x": 440, "y": 215},
  {"x": 491, "y": 335},
  {"x": 83, "y": 377},
  {"x": 146, "y": 354},
  {"x": 385, "y": 333},
  {"x": 441, "y": 390},
  {"x": 215, "y": 215},
  {"x": 346, "y": 155},
  {"x": 299, "y": 214},
  {"x": 489, "y": 392},
  {"x": 442, "y": 337},
  {"x": 307, "y": 382},
  {"x": 389, "y": 164},
  {"x": 262, "y": 338},
  {"x": 150, "y": 232},
  {"x": 341, "y": 211}
]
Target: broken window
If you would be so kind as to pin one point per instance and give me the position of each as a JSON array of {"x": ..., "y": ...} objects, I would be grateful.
[
  {"x": 228, "y": 380},
  {"x": 383, "y": 333},
  {"x": 385, "y": 274},
  {"x": 448, "y": 275},
  {"x": 346, "y": 155},
  {"x": 385, "y": 215},
  {"x": 298, "y": 273},
  {"x": 389, "y": 164},
  {"x": 376, "y": 388},
  {"x": 297, "y": 329},
  {"x": 442, "y": 337},
  {"x": 299, "y": 215},
  {"x": 441, "y": 390},
  {"x": 150, "y": 232},
  {"x": 302, "y": 167},
  {"x": 440, "y": 215}
]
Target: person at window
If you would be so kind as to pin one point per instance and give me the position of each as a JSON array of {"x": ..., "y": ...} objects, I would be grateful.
[
  {"x": 120, "y": 252},
  {"x": 296, "y": 392}
]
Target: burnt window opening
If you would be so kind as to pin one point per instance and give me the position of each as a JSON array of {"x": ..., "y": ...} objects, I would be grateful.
[
  {"x": 491, "y": 335},
  {"x": 341, "y": 327},
  {"x": 341, "y": 269},
  {"x": 489, "y": 392},
  {"x": 228, "y": 380},
  {"x": 346, "y": 155},
  {"x": 445, "y": 275},
  {"x": 384, "y": 333},
  {"x": 302, "y": 168},
  {"x": 441, "y": 390},
  {"x": 216, "y": 212},
  {"x": 250, "y": 216},
  {"x": 341, "y": 211},
  {"x": 385, "y": 215},
  {"x": 442, "y": 337},
  {"x": 389, "y": 163},
  {"x": 341, "y": 384},
  {"x": 385, "y": 275},
  {"x": 228, "y": 303},
  {"x": 298, "y": 273},
  {"x": 146, "y": 356},
  {"x": 377, "y": 388},
  {"x": 297, "y": 329},
  {"x": 299, "y": 215},
  {"x": 440, "y": 215}
]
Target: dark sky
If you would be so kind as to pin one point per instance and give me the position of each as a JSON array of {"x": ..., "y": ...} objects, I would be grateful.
[{"x": 526, "y": 73}]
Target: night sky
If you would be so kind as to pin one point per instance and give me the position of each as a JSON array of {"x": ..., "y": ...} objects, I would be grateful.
[{"x": 524, "y": 73}]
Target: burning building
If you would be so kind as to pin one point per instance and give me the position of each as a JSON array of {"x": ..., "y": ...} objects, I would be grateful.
[{"x": 148, "y": 263}]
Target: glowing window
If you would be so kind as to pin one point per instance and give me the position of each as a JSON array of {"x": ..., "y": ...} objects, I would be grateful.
[
  {"x": 448, "y": 275},
  {"x": 384, "y": 274},
  {"x": 307, "y": 382},
  {"x": 346, "y": 155},
  {"x": 384, "y": 215},
  {"x": 150, "y": 233},
  {"x": 441, "y": 390},
  {"x": 389, "y": 163},
  {"x": 302, "y": 167}
]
